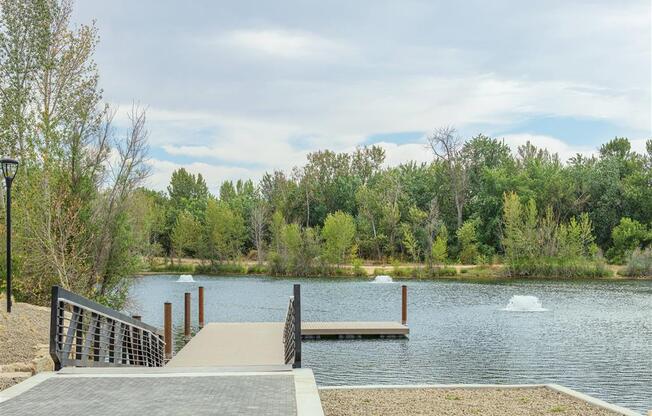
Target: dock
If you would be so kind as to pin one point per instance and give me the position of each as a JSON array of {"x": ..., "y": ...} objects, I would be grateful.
[
  {"x": 369, "y": 329},
  {"x": 109, "y": 363}
]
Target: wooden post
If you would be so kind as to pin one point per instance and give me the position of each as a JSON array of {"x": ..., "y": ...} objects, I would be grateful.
[
  {"x": 201, "y": 306},
  {"x": 167, "y": 331},
  {"x": 186, "y": 316},
  {"x": 297, "y": 326},
  {"x": 404, "y": 304}
]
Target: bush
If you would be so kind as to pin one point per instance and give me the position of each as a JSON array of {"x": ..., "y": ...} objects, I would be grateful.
[
  {"x": 176, "y": 268},
  {"x": 358, "y": 270},
  {"x": 258, "y": 269},
  {"x": 627, "y": 236},
  {"x": 555, "y": 267},
  {"x": 222, "y": 268},
  {"x": 639, "y": 264}
]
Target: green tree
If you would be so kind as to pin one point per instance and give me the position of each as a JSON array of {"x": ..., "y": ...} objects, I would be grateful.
[
  {"x": 338, "y": 234},
  {"x": 468, "y": 240},
  {"x": 226, "y": 231},
  {"x": 440, "y": 247},
  {"x": 185, "y": 235},
  {"x": 627, "y": 236}
]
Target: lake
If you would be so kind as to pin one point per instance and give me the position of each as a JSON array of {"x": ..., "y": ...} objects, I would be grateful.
[{"x": 595, "y": 336}]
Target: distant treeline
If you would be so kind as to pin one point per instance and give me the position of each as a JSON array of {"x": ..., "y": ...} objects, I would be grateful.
[{"x": 475, "y": 203}]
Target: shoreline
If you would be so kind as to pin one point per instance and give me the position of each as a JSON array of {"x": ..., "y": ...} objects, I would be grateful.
[{"x": 461, "y": 277}]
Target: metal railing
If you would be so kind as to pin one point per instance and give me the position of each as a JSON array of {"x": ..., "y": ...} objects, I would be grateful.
[
  {"x": 84, "y": 333},
  {"x": 292, "y": 330}
]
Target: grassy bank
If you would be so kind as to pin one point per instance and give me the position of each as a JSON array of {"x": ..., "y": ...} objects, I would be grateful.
[{"x": 496, "y": 272}]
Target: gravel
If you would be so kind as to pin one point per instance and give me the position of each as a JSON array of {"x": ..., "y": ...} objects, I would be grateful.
[
  {"x": 22, "y": 332},
  {"x": 440, "y": 401}
]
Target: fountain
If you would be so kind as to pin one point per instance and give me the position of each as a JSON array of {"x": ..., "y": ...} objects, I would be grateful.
[
  {"x": 524, "y": 304},
  {"x": 185, "y": 278},
  {"x": 383, "y": 278}
]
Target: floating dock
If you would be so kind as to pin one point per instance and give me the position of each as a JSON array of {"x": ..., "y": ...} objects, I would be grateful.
[{"x": 347, "y": 330}]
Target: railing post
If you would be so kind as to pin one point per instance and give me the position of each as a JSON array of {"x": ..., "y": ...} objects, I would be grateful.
[
  {"x": 186, "y": 315},
  {"x": 404, "y": 305},
  {"x": 56, "y": 324},
  {"x": 201, "y": 306},
  {"x": 167, "y": 329},
  {"x": 297, "y": 326}
]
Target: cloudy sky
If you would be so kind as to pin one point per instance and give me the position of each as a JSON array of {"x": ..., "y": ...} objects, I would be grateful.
[{"x": 237, "y": 88}]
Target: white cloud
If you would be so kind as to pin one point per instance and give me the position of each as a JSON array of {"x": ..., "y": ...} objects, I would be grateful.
[
  {"x": 395, "y": 154},
  {"x": 214, "y": 175},
  {"x": 552, "y": 144},
  {"x": 282, "y": 43}
]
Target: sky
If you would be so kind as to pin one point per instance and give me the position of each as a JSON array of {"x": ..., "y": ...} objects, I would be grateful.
[{"x": 234, "y": 89}]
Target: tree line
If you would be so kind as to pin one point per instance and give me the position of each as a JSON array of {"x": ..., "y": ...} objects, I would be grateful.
[{"x": 477, "y": 202}]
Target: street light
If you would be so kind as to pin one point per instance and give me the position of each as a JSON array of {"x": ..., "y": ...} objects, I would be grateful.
[{"x": 9, "y": 168}]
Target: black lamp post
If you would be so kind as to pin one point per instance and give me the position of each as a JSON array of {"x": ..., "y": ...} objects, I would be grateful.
[{"x": 9, "y": 168}]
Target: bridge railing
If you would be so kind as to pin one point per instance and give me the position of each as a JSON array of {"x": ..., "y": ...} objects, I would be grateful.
[
  {"x": 292, "y": 330},
  {"x": 84, "y": 333}
]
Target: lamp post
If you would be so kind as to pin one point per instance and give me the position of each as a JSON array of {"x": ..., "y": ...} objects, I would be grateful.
[{"x": 9, "y": 168}]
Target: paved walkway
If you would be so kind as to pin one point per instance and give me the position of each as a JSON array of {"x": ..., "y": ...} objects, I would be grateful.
[{"x": 133, "y": 391}]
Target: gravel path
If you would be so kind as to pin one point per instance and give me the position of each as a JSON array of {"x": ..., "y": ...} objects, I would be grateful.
[
  {"x": 434, "y": 401},
  {"x": 22, "y": 331}
]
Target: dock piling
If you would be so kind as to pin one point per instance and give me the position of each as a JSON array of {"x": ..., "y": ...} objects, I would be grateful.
[
  {"x": 201, "y": 306},
  {"x": 167, "y": 329},
  {"x": 404, "y": 304},
  {"x": 186, "y": 315}
]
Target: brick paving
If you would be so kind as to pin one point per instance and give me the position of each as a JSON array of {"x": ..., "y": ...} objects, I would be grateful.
[{"x": 265, "y": 395}]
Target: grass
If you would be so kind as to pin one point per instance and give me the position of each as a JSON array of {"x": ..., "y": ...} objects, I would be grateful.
[
  {"x": 539, "y": 269},
  {"x": 639, "y": 264},
  {"x": 559, "y": 268}
]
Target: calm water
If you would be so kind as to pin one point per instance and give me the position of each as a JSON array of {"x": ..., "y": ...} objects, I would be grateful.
[{"x": 596, "y": 337}]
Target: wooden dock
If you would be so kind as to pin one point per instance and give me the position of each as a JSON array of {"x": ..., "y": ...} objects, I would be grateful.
[
  {"x": 373, "y": 329},
  {"x": 233, "y": 344}
]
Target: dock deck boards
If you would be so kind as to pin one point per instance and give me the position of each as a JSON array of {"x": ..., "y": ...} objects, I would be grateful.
[
  {"x": 226, "y": 344},
  {"x": 373, "y": 328},
  {"x": 232, "y": 344}
]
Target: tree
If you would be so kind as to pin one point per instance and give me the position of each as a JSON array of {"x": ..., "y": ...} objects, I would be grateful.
[
  {"x": 225, "y": 230},
  {"x": 185, "y": 235},
  {"x": 74, "y": 202},
  {"x": 627, "y": 236},
  {"x": 447, "y": 146},
  {"x": 257, "y": 227},
  {"x": 439, "y": 250},
  {"x": 338, "y": 234},
  {"x": 468, "y": 240}
]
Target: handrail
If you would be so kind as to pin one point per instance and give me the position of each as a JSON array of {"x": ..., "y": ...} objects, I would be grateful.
[
  {"x": 84, "y": 333},
  {"x": 292, "y": 330}
]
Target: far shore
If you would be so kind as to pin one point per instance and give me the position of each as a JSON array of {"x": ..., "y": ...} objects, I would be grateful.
[{"x": 456, "y": 272}]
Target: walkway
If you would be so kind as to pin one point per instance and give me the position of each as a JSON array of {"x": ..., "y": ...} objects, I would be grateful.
[{"x": 163, "y": 391}]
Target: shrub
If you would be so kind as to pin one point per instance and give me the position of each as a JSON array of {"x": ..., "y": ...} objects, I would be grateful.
[
  {"x": 222, "y": 268},
  {"x": 258, "y": 269},
  {"x": 555, "y": 267},
  {"x": 627, "y": 236},
  {"x": 176, "y": 268},
  {"x": 358, "y": 270},
  {"x": 639, "y": 264}
]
